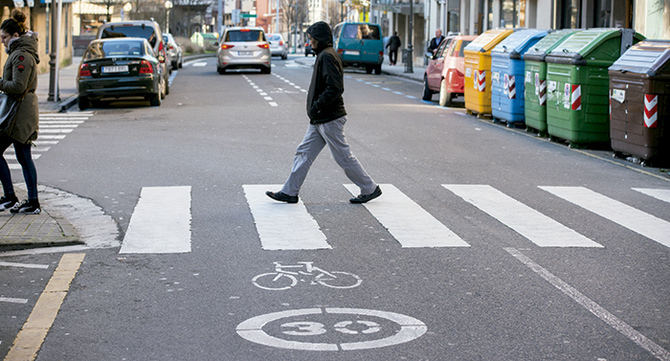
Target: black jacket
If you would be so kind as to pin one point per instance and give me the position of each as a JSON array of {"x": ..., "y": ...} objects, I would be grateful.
[
  {"x": 324, "y": 100},
  {"x": 394, "y": 42}
]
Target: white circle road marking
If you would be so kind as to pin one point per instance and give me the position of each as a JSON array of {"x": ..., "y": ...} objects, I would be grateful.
[{"x": 252, "y": 329}]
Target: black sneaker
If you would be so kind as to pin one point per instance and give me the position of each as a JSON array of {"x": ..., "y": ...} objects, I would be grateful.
[
  {"x": 8, "y": 202},
  {"x": 282, "y": 197},
  {"x": 27, "y": 207},
  {"x": 362, "y": 198}
]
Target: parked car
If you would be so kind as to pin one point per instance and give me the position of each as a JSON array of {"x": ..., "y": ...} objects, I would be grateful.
[
  {"x": 308, "y": 49},
  {"x": 141, "y": 29},
  {"x": 278, "y": 47},
  {"x": 174, "y": 51},
  {"x": 360, "y": 44},
  {"x": 444, "y": 73},
  {"x": 119, "y": 67},
  {"x": 243, "y": 47}
]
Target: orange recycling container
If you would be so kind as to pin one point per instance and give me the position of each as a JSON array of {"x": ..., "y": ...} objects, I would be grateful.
[{"x": 478, "y": 70}]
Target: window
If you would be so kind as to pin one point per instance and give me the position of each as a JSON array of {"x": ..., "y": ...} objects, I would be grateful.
[
  {"x": 569, "y": 15},
  {"x": 244, "y": 35},
  {"x": 114, "y": 48}
]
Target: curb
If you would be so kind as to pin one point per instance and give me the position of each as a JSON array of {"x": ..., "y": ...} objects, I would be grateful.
[
  {"x": 199, "y": 56},
  {"x": 401, "y": 75},
  {"x": 66, "y": 104}
]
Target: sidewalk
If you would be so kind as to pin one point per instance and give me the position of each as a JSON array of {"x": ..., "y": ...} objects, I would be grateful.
[
  {"x": 68, "y": 88},
  {"x": 394, "y": 70}
]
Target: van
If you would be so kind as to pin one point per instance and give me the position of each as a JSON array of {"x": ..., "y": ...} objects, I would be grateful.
[{"x": 360, "y": 44}]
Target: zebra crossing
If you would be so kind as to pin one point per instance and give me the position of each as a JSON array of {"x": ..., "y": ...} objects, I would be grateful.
[
  {"x": 54, "y": 127},
  {"x": 157, "y": 226},
  {"x": 414, "y": 227}
]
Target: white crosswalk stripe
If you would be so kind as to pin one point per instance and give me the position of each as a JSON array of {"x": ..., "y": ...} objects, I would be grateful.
[
  {"x": 537, "y": 227},
  {"x": 408, "y": 223},
  {"x": 53, "y": 128},
  {"x": 634, "y": 219},
  {"x": 662, "y": 194},
  {"x": 161, "y": 222},
  {"x": 282, "y": 226}
]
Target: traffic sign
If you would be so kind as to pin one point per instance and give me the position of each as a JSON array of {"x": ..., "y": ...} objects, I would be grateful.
[{"x": 248, "y": 15}]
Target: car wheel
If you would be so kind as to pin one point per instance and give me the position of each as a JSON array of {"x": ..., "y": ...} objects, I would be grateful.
[
  {"x": 427, "y": 93},
  {"x": 181, "y": 62},
  {"x": 378, "y": 69},
  {"x": 220, "y": 70},
  {"x": 284, "y": 56},
  {"x": 445, "y": 96},
  {"x": 155, "y": 100},
  {"x": 368, "y": 69},
  {"x": 267, "y": 70},
  {"x": 167, "y": 87},
  {"x": 84, "y": 103}
]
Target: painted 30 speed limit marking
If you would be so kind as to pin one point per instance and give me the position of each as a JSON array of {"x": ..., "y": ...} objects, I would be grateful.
[{"x": 355, "y": 322}]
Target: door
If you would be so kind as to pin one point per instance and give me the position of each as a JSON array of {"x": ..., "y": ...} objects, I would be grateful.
[{"x": 436, "y": 64}]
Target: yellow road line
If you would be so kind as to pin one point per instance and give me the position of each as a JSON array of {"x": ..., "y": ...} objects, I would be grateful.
[{"x": 35, "y": 329}]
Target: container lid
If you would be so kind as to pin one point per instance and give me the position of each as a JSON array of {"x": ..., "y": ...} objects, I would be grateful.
[
  {"x": 577, "y": 47},
  {"x": 518, "y": 43},
  {"x": 543, "y": 47},
  {"x": 646, "y": 57},
  {"x": 488, "y": 40}
]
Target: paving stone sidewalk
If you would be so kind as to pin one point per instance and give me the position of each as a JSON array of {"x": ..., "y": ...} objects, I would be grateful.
[{"x": 19, "y": 231}]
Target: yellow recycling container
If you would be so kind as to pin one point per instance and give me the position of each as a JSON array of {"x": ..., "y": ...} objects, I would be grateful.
[{"x": 478, "y": 70}]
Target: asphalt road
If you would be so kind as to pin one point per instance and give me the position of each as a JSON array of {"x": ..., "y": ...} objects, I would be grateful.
[{"x": 502, "y": 295}]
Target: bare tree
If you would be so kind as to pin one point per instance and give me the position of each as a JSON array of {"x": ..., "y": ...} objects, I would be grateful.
[
  {"x": 108, "y": 4},
  {"x": 294, "y": 13}
]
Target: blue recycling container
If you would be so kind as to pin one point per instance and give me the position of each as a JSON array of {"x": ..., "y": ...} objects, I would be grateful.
[{"x": 507, "y": 75}]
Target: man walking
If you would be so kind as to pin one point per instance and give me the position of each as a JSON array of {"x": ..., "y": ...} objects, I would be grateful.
[
  {"x": 435, "y": 42},
  {"x": 393, "y": 45},
  {"x": 325, "y": 108}
]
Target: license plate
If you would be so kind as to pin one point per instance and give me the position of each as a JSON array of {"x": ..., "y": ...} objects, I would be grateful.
[
  {"x": 352, "y": 52},
  {"x": 115, "y": 69},
  {"x": 244, "y": 53}
]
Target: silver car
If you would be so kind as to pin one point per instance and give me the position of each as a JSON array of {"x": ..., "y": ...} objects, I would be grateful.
[
  {"x": 243, "y": 48},
  {"x": 278, "y": 47}
]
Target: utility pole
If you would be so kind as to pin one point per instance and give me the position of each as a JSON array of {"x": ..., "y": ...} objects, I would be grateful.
[
  {"x": 219, "y": 17},
  {"x": 53, "y": 54},
  {"x": 409, "y": 68},
  {"x": 276, "y": 17}
]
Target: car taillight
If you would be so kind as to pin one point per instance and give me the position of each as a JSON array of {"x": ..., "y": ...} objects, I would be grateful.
[
  {"x": 281, "y": 43},
  {"x": 160, "y": 46},
  {"x": 84, "y": 70},
  {"x": 171, "y": 47},
  {"x": 340, "y": 51},
  {"x": 264, "y": 46},
  {"x": 381, "y": 53},
  {"x": 226, "y": 46},
  {"x": 146, "y": 67}
]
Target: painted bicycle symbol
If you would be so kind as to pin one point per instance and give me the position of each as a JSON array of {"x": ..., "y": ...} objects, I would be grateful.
[{"x": 287, "y": 276}]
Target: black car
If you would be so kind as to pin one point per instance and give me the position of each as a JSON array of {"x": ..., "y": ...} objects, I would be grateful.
[
  {"x": 121, "y": 67},
  {"x": 146, "y": 29},
  {"x": 308, "y": 49}
]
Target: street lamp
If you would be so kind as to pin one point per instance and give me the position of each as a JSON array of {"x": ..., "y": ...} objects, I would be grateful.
[
  {"x": 127, "y": 7},
  {"x": 342, "y": 10},
  {"x": 168, "y": 6}
]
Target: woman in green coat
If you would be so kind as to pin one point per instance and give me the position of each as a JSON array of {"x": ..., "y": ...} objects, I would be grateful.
[{"x": 19, "y": 78}]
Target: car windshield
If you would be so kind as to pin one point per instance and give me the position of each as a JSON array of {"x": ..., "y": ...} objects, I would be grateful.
[
  {"x": 274, "y": 37},
  {"x": 130, "y": 31},
  {"x": 106, "y": 49},
  {"x": 244, "y": 35}
]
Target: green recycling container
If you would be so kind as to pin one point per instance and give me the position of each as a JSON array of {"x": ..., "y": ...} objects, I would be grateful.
[
  {"x": 535, "y": 90},
  {"x": 578, "y": 83}
]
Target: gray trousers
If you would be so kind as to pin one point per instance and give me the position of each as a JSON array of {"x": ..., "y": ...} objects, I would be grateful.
[{"x": 316, "y": 137}]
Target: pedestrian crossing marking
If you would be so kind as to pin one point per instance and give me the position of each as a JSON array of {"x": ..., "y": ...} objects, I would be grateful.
[
  {"x": 53, "y": 128},
  {"x": 634, "y": 219},
  {"x": 535, "y": 226},
  {"x": 408, "y": 223},
  {"x": 282, "y": 226},
  {"x": 161, "y": 222},
  {"x": 661, "y": 194}
]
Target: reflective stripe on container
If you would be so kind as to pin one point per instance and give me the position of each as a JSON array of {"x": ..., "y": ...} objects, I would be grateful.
[
  {"x": 650, "y": 110},
  {"x": 480, "y": 80},
  {"x": 576, "y": 97},
  {"x": 542, "y": 93},
  {"x": 511, "y": 87}
]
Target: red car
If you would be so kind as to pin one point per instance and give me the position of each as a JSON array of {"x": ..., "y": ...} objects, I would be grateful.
[{"x": 444, "y": 74}]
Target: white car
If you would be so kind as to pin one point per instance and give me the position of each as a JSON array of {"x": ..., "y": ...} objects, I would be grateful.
[
  {"x": 243, "y": 47},
  {"x": 278, "y": 47}
]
